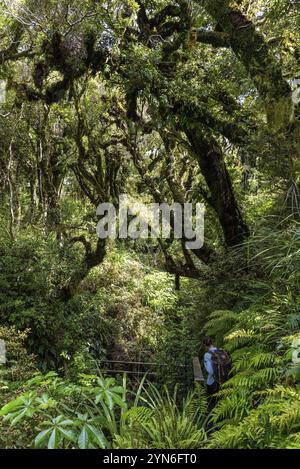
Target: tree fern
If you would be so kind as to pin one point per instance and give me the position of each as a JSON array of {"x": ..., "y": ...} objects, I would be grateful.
[{"x": 166, "y": 421}]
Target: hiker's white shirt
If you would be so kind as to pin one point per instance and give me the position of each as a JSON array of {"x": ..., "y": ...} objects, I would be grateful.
[{"x": 208, "y": 365}]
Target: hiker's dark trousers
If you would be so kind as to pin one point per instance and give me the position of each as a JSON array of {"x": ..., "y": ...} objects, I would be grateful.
[{"x": 211, "y": 390}]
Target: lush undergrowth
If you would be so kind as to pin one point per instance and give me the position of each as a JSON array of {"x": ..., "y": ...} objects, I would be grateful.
[{"x": 258, "y": 407}]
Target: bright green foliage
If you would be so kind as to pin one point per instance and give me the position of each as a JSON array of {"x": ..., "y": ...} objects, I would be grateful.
[
  {"x": 164, "y": 424},
  {"x": 68, "y": 415},
  {"x": 100, "y": 414}
]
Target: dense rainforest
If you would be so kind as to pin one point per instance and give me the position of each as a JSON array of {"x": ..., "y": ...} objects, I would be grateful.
[{"x": 174, "y": 103}]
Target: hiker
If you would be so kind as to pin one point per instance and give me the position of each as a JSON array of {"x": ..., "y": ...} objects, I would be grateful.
[{"x": 217, "y": 363}]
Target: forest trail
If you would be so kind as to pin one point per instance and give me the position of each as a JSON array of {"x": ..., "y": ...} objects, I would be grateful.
[{"x": 149, "y": 208}]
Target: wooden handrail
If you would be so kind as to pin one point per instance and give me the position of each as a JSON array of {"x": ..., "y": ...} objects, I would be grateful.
[
  {"x": 129, "y": 372},
  {"x": 198, "y": 373},
  {"x": 141, "y": 363}
]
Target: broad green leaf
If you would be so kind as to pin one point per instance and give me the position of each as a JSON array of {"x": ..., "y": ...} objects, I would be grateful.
[
  {"x": 53, "y": 440},
  {"x": 83, "y": 439},
  {"x": 39, "y": 439}
]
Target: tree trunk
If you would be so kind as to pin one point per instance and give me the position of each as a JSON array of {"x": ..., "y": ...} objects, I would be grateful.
[
  {"x": 92, "y": 259},
  {"x": 211, "y": 161}
]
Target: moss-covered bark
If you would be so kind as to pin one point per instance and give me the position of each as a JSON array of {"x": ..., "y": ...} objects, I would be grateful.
[{"x": 250, "y": 47}]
